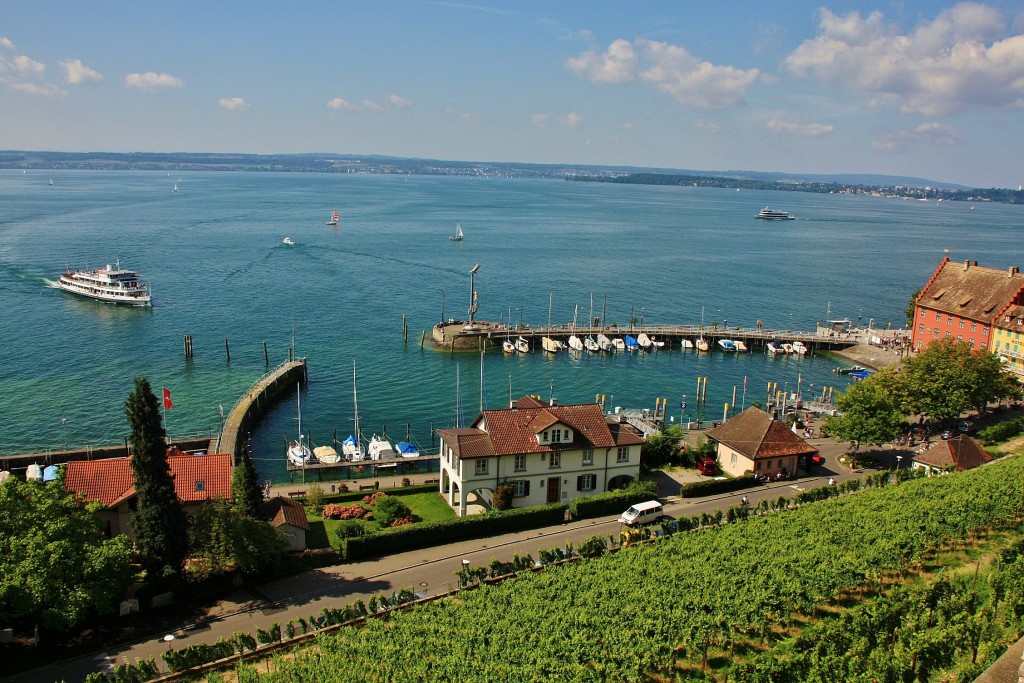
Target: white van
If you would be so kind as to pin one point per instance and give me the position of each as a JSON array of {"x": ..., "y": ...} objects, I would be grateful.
[{"x": 642, "y": 513}]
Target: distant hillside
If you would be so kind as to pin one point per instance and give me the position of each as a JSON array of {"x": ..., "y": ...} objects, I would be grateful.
[{"x": 349, "y": 163}]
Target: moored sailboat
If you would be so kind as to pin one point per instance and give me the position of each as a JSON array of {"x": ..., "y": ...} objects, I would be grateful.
[{"x": 298, "y": 451}]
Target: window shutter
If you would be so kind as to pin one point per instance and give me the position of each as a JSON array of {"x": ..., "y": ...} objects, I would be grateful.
[
  {"x": 579, "y": 483},
  {"x": 526, "y": 489}
]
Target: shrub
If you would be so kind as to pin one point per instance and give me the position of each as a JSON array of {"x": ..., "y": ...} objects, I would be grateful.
[
  {"x": 315, "y": 496},
  {"x": 611, "y": 502},
  {"x": 388, "y": 510},
  {"x": 709, "y": 487},
  {"x": 332, "y": 511}
]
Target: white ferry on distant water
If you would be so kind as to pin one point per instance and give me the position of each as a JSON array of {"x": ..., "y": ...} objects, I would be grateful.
[
  {"x": 111, "y": 284},
  {"x": 773, "y": 215}
]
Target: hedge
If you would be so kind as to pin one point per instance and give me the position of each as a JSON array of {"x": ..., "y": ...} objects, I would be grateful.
[
  {"x": 697, "y": 489},
  {"x": 355, "y": 496},
  {"x": 611, "y": 502},
  {"x": 413, "y": 536}
]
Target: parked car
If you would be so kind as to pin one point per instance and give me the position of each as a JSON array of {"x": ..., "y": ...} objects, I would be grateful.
[
  {"x": 817, "y": 459},
  {"x": 707, "y": 466},
  {"x": 642, "y": 513}
]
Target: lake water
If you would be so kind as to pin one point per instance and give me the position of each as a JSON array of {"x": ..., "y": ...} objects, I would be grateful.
[{"x": 213, "y": 254}]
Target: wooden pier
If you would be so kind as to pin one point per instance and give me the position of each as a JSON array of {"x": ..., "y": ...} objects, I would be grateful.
[
  {"x": 493, "y": 334},
  {"x": 260, "y": 396}
]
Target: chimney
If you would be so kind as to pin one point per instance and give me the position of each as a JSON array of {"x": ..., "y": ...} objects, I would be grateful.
[
  {"x": 553, "y": 402},
  {"x": 1012, "y": 271},
  {"x": 513, "y": 404},
  {"x": 967, "y": 264}
]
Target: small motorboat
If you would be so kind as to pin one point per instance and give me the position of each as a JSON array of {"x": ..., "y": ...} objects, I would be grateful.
[
  {"x": 575, "y": 343},
  {"x": 773, "y": 347},
  {"x": 618, "y": 344},
  {"x": 287, "y": 240},
  {"x": 380, "y": 449},
  {"x": 798, "y": 347},
  {"x": 604, "y": 343},
  {"x": 326, "y": 455},
  {"x": 740, "y": 346},
  {"x": 591, "y": 345},
  {"x": 644, "y": 341},
  {"x": 407, "y": 449},
  {"x": 631, "y": 343},
  {"x": 727, "y": 345},
  {"x": 686, "y": 344}
]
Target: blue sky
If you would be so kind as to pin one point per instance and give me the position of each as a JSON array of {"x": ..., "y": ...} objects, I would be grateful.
[{"x": 926, "y": 89}]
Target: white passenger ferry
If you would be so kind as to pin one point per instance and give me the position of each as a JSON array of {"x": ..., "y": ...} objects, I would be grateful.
[
  {"x": 774, "y": 215},
  {"x": 111, "y": 284}
]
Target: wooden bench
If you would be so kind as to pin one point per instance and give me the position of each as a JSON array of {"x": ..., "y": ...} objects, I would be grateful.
[
  {"x": 296, "y": 494},
  {"x": 431, "y": 481},
  {"x": 367, "y": 487}
]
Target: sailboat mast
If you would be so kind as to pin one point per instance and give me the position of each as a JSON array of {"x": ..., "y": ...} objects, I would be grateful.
[
  {"x": 590, "y": 320},
  {"x": 551, "y": 296},
  {"x": 298, "y": 405},
  {"x": 355, "y": 404}
]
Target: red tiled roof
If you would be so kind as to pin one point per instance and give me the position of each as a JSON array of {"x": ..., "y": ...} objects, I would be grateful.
[
  {"x": 111, "y": 480},
  {"x": 512, "y": 431},
  {"x": 971, "y": 291},
  {"x": 756, "y": 435},
  {"x": 961, "y": 452},
  {"x": 624, "y": 433},
  {"x": 1011, "y": 318},
  {"x": 283, "y": 511}
]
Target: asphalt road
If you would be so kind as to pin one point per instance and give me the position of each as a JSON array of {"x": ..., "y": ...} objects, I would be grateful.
[{"x": 429, "y": 571}]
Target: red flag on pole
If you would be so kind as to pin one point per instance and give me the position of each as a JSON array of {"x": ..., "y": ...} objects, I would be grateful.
[{"x": 167, "y": 399}]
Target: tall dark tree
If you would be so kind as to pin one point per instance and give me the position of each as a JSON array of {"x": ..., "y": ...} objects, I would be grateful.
[
  {"x": 245, "y": 487},
  {"x": 912, "y": 307},
  {"x": 159, "y": 522}
]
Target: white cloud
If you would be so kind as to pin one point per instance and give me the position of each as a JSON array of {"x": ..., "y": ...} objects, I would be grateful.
[
  {"x": 26, "y": 66},
  {"x": 6, "y": 42},
  {"x": 338, "y": 103},
  {"x": 708, "y": 126},
  {"x": 572, "y": 120},
  {"x": 42, "y": 89},
  {"x": 152, "y": 81},
  {"x": 669, "y": 68},
  {"x": 77, "y": 73},
  {"x": 233, "y": 103},
  {"x": 930, "y": 133},
  {"x": 540, "y": 120},
  {"x": 397, "y": 101},
  {"x": 962, "y": 59},
  {"x": 806, "y": 130},
  {"x": 370, "y": 104}
]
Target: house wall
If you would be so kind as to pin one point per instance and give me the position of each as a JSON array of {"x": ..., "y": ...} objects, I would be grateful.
[
  {"x": 736, "y": 464},
  {"x": 1009, "y": 345},
  {"x": 537, "y": 470},
  {"x": 295, "y": 537},
  {"x": 931, "y": 324}
]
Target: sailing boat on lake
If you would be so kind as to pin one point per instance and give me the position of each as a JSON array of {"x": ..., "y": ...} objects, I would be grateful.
[
  {"x": 334, "y": 218},
  {"x": 457, "y": 237},
  {"x": 352, "y": 447},
  {"x": 298, "y": 451}
]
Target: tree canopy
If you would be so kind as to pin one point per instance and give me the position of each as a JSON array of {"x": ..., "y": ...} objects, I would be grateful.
[
  {"x": 869, "y": 412},
  {"x": 56, "y": 567},
  {"x": 245, "y": 487},
  {"x": 948, "y": 377},
  {"x": 159, "y": 523}
]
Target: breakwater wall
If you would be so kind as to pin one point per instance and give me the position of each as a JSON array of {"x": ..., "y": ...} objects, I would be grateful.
[{"x": 250, "y": 407}]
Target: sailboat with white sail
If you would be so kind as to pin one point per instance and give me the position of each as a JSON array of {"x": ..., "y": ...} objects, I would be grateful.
[
  {"x": 298, "y": 450},
  {"x": 457, "y": 237},
  {"x": 334, "y": 218},
  {"x": 352, "y": 447}
]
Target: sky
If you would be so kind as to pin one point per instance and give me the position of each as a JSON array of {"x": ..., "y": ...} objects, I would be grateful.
[{"x": 901, "y": 87}]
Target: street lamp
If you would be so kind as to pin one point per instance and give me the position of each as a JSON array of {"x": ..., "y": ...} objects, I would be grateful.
[{"x": 898, "y": 459}]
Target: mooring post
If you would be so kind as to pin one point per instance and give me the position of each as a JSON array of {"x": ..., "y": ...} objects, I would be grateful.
[
  {"x": 423, "y": 336},
  {"x": 227, "y": 349},
  {"x": 266, "y": 355},
  {"x": 405, "y": 329}
]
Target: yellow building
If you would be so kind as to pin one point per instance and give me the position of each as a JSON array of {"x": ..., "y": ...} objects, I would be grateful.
[{"x": 1007, "y": 340}]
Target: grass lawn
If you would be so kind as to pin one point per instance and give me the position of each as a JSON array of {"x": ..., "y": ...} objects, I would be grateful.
[{"x": 426, "y": 507}]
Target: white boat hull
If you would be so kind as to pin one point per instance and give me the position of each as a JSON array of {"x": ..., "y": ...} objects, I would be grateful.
[
  {"x": 111, "y": 285},
  {"x": 522, "y": 346},
  {"x": 575, "y": 343},
  {"x": 549, "y": 344},
  {"x": 604, "y": 343}
]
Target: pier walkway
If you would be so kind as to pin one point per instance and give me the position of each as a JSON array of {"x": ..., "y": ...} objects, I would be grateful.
[{"x": 252, "y": 404}]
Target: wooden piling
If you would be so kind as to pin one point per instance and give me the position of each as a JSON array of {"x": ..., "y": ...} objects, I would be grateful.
[
  {"x": 405, "y": 329},
  {"x": 188, "y": 345},
  {"x": 266, "y": 355},
  {"x": 227, "y": 350}
]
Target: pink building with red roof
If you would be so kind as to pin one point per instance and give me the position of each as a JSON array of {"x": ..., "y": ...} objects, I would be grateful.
[
  {"x": 111, "y": 482},
  {"x": 547, "y": 453}
]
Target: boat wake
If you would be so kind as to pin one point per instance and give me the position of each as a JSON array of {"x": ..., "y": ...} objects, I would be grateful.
[{"x": 52, "y": 284}]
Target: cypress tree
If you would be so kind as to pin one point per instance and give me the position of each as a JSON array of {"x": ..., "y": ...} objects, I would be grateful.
[
  {"x": 245, "y": 488},
  {"x": 159, "y": 522}
]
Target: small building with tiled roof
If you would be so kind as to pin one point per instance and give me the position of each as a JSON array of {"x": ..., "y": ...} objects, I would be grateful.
[
  {"x": 951, "y": 455},
  {"x": 755, "y": 442},
  {"x": 546, "y": 453},
  {"x": 289, "y": 517},
  {"x": 111, "y": 482},
  {"x": 961, "y": 301}
]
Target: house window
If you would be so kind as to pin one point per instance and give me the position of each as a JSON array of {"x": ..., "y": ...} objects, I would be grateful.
[
  {"x": 948, "y": 333},
  {"x": 936, "y": 333},
  {"x": 556, "y": 435},
  {"x": 586, "y": 482},
  {"x": 565, "y": 435},
  {"x": 920, "y": 328},
  {"x": 481, "y": 467},
  {"x": 200, "y": 486},
  {"x": 520, "y": 462},
  {"x": 938, "y": 317},
  {"x": 768, "y": 465},
  {"x": 974, "y": 326},
  {"x": 959, "y": 337},
  {"x": 961, "y": 323},
  {"x": 544, "y": 436},
  {"x": 588, "y": 456},
  {"x": 983, "y": 344},
  {"x": 522, "y": 488},
  {"x": 949, "y": 319},
  {"x": 922, "y": 313},
  {"x": 733, "y": 461},
  {"x": 984, "y": 330},
  {"x": 622, "y": 454},
  {"x": 556, "y": 460}
]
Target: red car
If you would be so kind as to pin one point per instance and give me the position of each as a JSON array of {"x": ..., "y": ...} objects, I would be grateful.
[
  {"x": 707, "y": 466},
  {"x": 817, "y": 460}
]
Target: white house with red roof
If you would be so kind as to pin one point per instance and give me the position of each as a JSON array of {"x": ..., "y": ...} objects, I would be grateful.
[
  {"x": 111, "y": 482},
  {"x": 547, "y": 453}
]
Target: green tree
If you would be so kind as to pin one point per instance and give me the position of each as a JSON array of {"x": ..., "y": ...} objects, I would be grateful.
[
  {"x": 912, "y": 307},
  {"x": 868, "y": 413},
  {"x": 159, "y": 522},
  {"x": 222, "y": 541},
  {"x": 389, "y": 509},
  {"x": 948, "y": 377},
  {"x": 245, "y": 487},
  {"x": 660, "y": 449},
  {"x": 57, "y": 568}
]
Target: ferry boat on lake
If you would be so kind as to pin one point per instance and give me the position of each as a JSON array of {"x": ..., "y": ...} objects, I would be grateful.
[
  {"x": 773, "y": 215},
  {"x": 112, "y": 284}
]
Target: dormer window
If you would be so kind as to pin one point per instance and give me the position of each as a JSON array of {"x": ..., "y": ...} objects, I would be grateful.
[{"x": 200, "y": 486}]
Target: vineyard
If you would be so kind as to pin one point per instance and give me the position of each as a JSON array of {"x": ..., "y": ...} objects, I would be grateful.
[{"x": 812, "y": 593}]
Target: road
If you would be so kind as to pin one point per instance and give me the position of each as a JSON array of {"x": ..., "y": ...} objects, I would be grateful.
[{"x": 428, "y": 571}]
